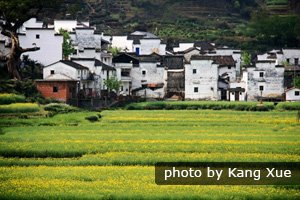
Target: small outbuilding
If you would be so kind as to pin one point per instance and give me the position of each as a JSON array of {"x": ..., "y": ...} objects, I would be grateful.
[{"x": 292, "y": 94}]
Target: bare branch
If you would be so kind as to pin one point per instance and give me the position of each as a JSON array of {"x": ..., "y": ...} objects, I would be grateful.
[{"x": 30, "y": 49}]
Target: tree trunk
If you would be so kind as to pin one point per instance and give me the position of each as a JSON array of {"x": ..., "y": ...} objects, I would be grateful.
[
  {"x": 13, "y": 59},
  {"x": 14, "y": 56}
]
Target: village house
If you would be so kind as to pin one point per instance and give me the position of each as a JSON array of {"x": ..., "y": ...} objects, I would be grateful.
[
  {"x": 140, "y": 43},
  {"x": 264, "y": 80},
  {"x": 207, "y": 77},
  {"x": 174, "y": 66},
  {"x": 140, "y": 75},
  {"x": 292, "y": 94},
  {"x": 63, "y": 80},
  {"x": 49, "y": 42}
]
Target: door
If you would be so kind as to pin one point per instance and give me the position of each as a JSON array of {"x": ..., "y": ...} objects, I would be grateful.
[{"x": 237, "y": 96}]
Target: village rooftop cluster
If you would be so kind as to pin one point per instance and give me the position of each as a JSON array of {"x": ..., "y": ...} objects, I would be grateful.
[{"x": 192, "y": 71}]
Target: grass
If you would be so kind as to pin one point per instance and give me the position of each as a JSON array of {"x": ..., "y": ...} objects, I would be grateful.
[
  {"x": 6, "y": 98},
  {"x": 114, "y": 157},
  {"x": 19, "y": 108}
]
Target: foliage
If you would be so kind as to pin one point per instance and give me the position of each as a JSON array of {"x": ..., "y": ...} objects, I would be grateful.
[
  {"x": 25, "y": 87},
  {"x": 297, "y": 82},
  {"x": 59, "y": 108},
  {"x": 67, "y": 46},
  {"x": 19, "y": 108},
  {"x": 195, "y": 105},
  {"x": 114, "y": 50},
  {"x": 246, "y": 58},
  {"x": 92, "y": 118},
  {"x": 31, "y": 69},
  {"x": 288, "y": 106},
  {"x": 113, "y": 84},
  {"x": 6, "y": 98}
]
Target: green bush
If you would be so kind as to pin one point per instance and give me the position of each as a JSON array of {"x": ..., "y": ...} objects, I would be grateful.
[
  {"x": 6, "y": 98},
  {"x": 288, "y": 106},
  {"x": 19, "y": 108},
  {"x": 195, "y": 105},
  {"x": 55, "y": 108},
  {"x": 92, "y": 118}
]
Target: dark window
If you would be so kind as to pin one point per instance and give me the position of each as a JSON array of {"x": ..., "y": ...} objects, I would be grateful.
[
  {"x": 144, "y": 72},
  {"x": 52, "y": 72},
  {"x": 297, "y": 93},
  {"x": 296, "y": 61},
  {"x": 196, "y": 89},
  {"x": 37, "y": 36},
  {"x": 261, "y": 88},
  {"x": 288, "y": 60},
  {"x": 55, "y": 89},
  {"x": 229, "y": 67},
  {"x": 241, "y": 93},
  {"x": 194, "y": 71},
  {"x": 261, "y": 74},
  {"x": 122, "y": 88},
  {"x": 126, "y": 89}
]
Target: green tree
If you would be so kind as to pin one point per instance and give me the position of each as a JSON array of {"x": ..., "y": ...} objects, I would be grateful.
[
  {"x": 246, "y": 58},
  {"x": 67, "y": 46},
  {"x": 114, "y": 50},
  {"x": 13, "y": 13},
  {"x": 297, "y": 82},
  {"x": 112, "y": 84}
]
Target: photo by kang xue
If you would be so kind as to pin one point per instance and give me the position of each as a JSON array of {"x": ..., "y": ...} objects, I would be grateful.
[{"x": 114, "y": 99}]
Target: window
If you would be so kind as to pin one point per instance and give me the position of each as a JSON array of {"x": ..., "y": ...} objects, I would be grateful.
[
  {"x": 122, "y": 88},
  {"x": 241, "y": 93},
  {"x": 297, "y": 93},
  {"x": 55, "y": 89},
  {"x": 143, "y": 72},
  {"x": 194, "y": 71},
  {"x": 196, "y": 89},
  {"x": 261, "y": 88},
  {"x": 229, "y": 67},
  {"x": 52, "y": 72},
  {"x": 105, "y": 59},
  {"x": 296, "y": 61},
  {"x": 37, "y": 36},
  {"x": 261, "y": 74},
  {"x": 288, "y": 60}
]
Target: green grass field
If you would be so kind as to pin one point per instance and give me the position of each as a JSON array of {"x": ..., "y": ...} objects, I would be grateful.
[{"x": 68, "y": 157}]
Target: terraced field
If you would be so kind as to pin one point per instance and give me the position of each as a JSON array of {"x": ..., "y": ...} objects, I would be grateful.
[{"x": 114, "y": 157}]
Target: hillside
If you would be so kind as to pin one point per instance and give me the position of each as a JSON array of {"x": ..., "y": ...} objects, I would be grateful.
[{"x": 221, "y": 21}]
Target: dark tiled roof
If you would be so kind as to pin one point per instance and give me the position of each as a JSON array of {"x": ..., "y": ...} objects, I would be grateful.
[
  {"x": 73, "y": 64},
  {"x": 221, "y": 60},
  {"x": 173, "y": 62},
  {"x": 205, "y": 46},
  {"x": 104, "y": 66}
]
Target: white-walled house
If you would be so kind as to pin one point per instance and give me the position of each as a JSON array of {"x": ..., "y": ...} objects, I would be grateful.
[
  {"x": 183, "y": 47},
  {"x": 292, "y": 94},
  {"x": 292, "y": 56},
  {"x": 69, "y": 25},
  {"x": 140, "y": 43},
  {"x": 264, "y": 79},
  {"x": 47, "y": 40},
  {"x": 201, "y": 79},
  {"x": 140, "y": 75}
]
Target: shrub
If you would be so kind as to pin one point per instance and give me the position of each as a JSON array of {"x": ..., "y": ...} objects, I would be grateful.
[
  {"x": 55, "y": 108},
  {"x": 92, "y": 118},
  {"x": 19, "y": 108},
  {"x": 6, "y": 98},
  {"x": 288, "y": 106}
]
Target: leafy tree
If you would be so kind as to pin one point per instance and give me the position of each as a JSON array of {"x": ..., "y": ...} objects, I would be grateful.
[
  {"x": 13, "y": 13},
  {"x": 297, "y": 82},
  {"x": 246, "y": 58},
  {"x": 67, "y": 46},
  {"x": 114, "y": 50},
  {"x": 112, "y": 84}
]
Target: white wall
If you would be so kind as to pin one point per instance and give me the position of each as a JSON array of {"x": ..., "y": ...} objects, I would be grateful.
[
  {"x": 290, "y": 95},
  {"x": 123, "y": 43},
  {"x": 31, "y": 23},
  {"x": 206, "y": 79},
  {"x": 60, "y": 68},
  {"x": 49, "y": 43},
  {"x": 291, "y": 54},
  {"x": 183, "y": 47},
  {"x": 231, "y": 71},
  {"x": 272, "y": 81},
  {"x": 149, "y": 46}
]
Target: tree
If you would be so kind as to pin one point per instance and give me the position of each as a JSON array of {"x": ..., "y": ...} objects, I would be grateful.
[
  {"x": 114, "y": 51},
  {"x": 112, "y": 84},
  {"x": 13, "y": 13},
  {"x": 246, "y": 58},
  {"x": 67, "y": 46}
]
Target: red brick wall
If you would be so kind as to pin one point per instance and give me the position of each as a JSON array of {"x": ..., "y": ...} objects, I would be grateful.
[{"x": 46, "y": 89}]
